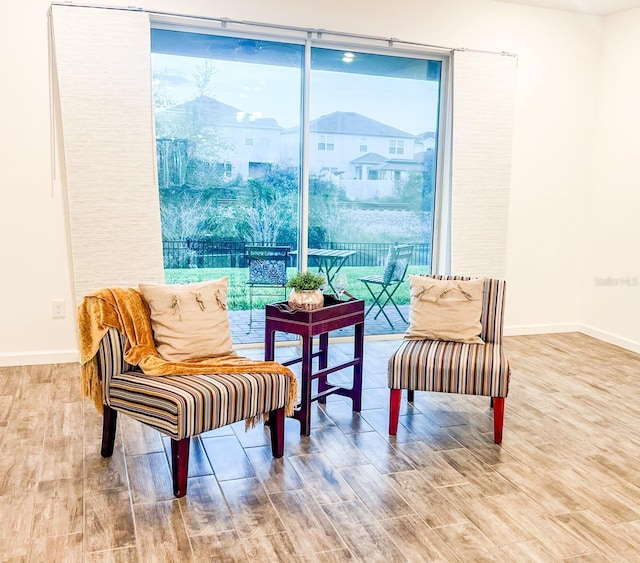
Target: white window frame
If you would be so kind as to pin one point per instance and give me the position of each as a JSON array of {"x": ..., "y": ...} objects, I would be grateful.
[
  {"x": 440, "y": 243},
  {"x": 396, "y": 146}
]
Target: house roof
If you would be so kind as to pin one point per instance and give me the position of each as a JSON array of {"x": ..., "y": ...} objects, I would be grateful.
[
  {"x": 351, "y": 123},
  {"x": 369, "y": 158},
  {"x": 404, "y": 166},
  {"x": 215, "y": 113}
]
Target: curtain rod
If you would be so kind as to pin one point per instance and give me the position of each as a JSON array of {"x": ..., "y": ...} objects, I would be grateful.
[{"x": 390, "y": 41}]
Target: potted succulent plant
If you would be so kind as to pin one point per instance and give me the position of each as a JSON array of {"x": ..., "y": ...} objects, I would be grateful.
[{"x": 306, "y": 294}]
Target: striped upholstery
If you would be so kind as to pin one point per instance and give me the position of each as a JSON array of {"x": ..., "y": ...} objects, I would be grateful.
[
  {"x": 450, "y": 367},
  {"x": 185, "y": 405},
  {"x": 111, "y": 360},
  {"x": 455, "y": 367}
]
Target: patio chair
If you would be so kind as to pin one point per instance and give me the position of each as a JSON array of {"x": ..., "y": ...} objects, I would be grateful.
[
  {"x": 267, "y": 271},
  {"x": 383, "y": 287}
]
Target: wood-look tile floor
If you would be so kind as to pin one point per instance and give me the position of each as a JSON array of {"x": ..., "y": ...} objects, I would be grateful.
[{"x": 564, "y": 485}]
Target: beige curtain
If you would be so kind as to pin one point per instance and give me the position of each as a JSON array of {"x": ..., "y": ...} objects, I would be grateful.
[
  {"x": 102, "y": 78},
  {"x": 483, "y": 107}
]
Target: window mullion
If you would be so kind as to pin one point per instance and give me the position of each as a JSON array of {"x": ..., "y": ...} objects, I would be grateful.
[{"x": 303, "y": 234}]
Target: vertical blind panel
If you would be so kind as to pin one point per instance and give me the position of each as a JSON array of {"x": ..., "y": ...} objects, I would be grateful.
[
  {"x": 483, "y": 106},
  {"x": 103, "y": 65}
]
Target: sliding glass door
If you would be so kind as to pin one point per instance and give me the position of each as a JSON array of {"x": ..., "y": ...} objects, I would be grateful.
[
  {"x": 222, "y": 104},
  {"x": 372, "y": 144},
  {"x": 229, "y": 136}
]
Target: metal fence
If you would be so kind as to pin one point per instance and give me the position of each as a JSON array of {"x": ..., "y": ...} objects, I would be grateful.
[{"x": 231, "y": 254}]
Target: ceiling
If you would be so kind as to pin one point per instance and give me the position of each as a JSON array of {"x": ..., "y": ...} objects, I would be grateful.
[{"x": 596, "y": 7}]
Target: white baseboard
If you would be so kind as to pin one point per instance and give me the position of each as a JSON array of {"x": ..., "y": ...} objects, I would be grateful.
[
  {"x": 625, "y": 343},
  {"x": 40, "y": 357},
  {"x": 521, "y": 330}
]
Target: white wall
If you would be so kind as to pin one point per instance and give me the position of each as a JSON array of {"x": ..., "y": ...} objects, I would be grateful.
[
  {"x": 554, "y": 142},
  {"x": 612, "y": 312},
  {"x": 34, "y": 263}
]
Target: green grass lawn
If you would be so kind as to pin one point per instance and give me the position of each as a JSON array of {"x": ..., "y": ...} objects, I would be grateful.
[{"x": 238, "y": 297}]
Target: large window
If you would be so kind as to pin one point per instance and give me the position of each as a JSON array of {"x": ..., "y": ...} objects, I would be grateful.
[
  {"x": 228, "y": 114},
  {"x": 221, "y": 106}
]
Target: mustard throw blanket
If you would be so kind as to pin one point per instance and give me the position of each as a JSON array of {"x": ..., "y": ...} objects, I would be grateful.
[{"x": 126, "y": 310}]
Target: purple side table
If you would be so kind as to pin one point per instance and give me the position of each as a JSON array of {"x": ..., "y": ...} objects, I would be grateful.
[{"x": 334, "y": 315}]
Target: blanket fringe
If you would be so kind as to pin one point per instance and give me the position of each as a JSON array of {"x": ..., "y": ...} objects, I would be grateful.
[
  {"x": 254, "y": 421},
  {"x": 91, "y": 384}
]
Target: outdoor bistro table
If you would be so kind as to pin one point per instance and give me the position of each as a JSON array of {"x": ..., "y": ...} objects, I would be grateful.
[
  {"x": 334, "y": 315},
  {"x": 328, "y": 261}
]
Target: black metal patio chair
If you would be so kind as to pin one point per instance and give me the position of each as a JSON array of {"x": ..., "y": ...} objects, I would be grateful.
[
  {"x": 267, "y": 272},
  {"x": 383, "y": 287}
]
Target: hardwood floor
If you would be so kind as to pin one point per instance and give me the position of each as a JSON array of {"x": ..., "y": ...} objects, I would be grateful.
[{"x": 564, "y": 485}]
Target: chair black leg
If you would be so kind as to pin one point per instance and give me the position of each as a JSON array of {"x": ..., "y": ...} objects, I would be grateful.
[
  {"x": 376, "y": 302},
  {"x": 376, "y": 299},
  {"x": 276, "y": 426},
  {"x": 388, "y": 300},
  {"x": 109, "y": 422},
  {"x": 382, "y": 306},
  {"x": 394, "y": 303},
  {"x": 410, "y": 395},
  {"x": 180, "y": 465}
]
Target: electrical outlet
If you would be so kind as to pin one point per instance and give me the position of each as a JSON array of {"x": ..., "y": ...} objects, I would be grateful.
[{"x": 57, "y": 309}]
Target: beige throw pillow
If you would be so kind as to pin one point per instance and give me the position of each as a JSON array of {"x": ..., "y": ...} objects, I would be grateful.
[
  {"x": 445, "y": 310},
  {"x": 189, "y": 321}
]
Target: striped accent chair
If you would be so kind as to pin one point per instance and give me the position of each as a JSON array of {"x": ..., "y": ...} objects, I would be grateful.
[
  {"x": 455, "y": 367},
  {"x": 186, "y": 405}
]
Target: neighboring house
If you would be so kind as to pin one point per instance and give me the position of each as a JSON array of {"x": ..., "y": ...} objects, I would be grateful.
[
  {"x": 425, "y": 141},
  {"x": 366, "y": 155},
  {"x": 216, "y": 132}
]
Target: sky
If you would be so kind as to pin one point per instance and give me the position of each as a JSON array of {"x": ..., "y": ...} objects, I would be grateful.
[{"x": 274, "y": 91}]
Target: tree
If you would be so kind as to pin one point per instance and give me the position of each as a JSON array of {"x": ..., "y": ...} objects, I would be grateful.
[
  {"x": 184, "y": 216},
  {"x": 161, "y": 98},
  {"x": 271, "y": 217},
  {"x": 202, "y": 78},
  {"x": 327, "y": 218},
  {"x": 265, "y": 221}
]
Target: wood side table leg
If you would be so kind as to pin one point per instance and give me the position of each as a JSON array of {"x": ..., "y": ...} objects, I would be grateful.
[
  {"x": 269, "y": 343},
  {"x": 323, "y": 362},
  {"x": 305, "y": 400},
  {"x": 358, "y": 354}
]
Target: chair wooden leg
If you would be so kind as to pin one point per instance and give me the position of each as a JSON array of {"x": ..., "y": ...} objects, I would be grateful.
[
  {"x": 109, "y": 423},
  {"x": 498, "y": 419},
  {"x": 276, "y": 426},
  {"x": 394, "y": 410},
  {"x": 410, "y": 395},
  {"x": 180, "y": 465}
]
